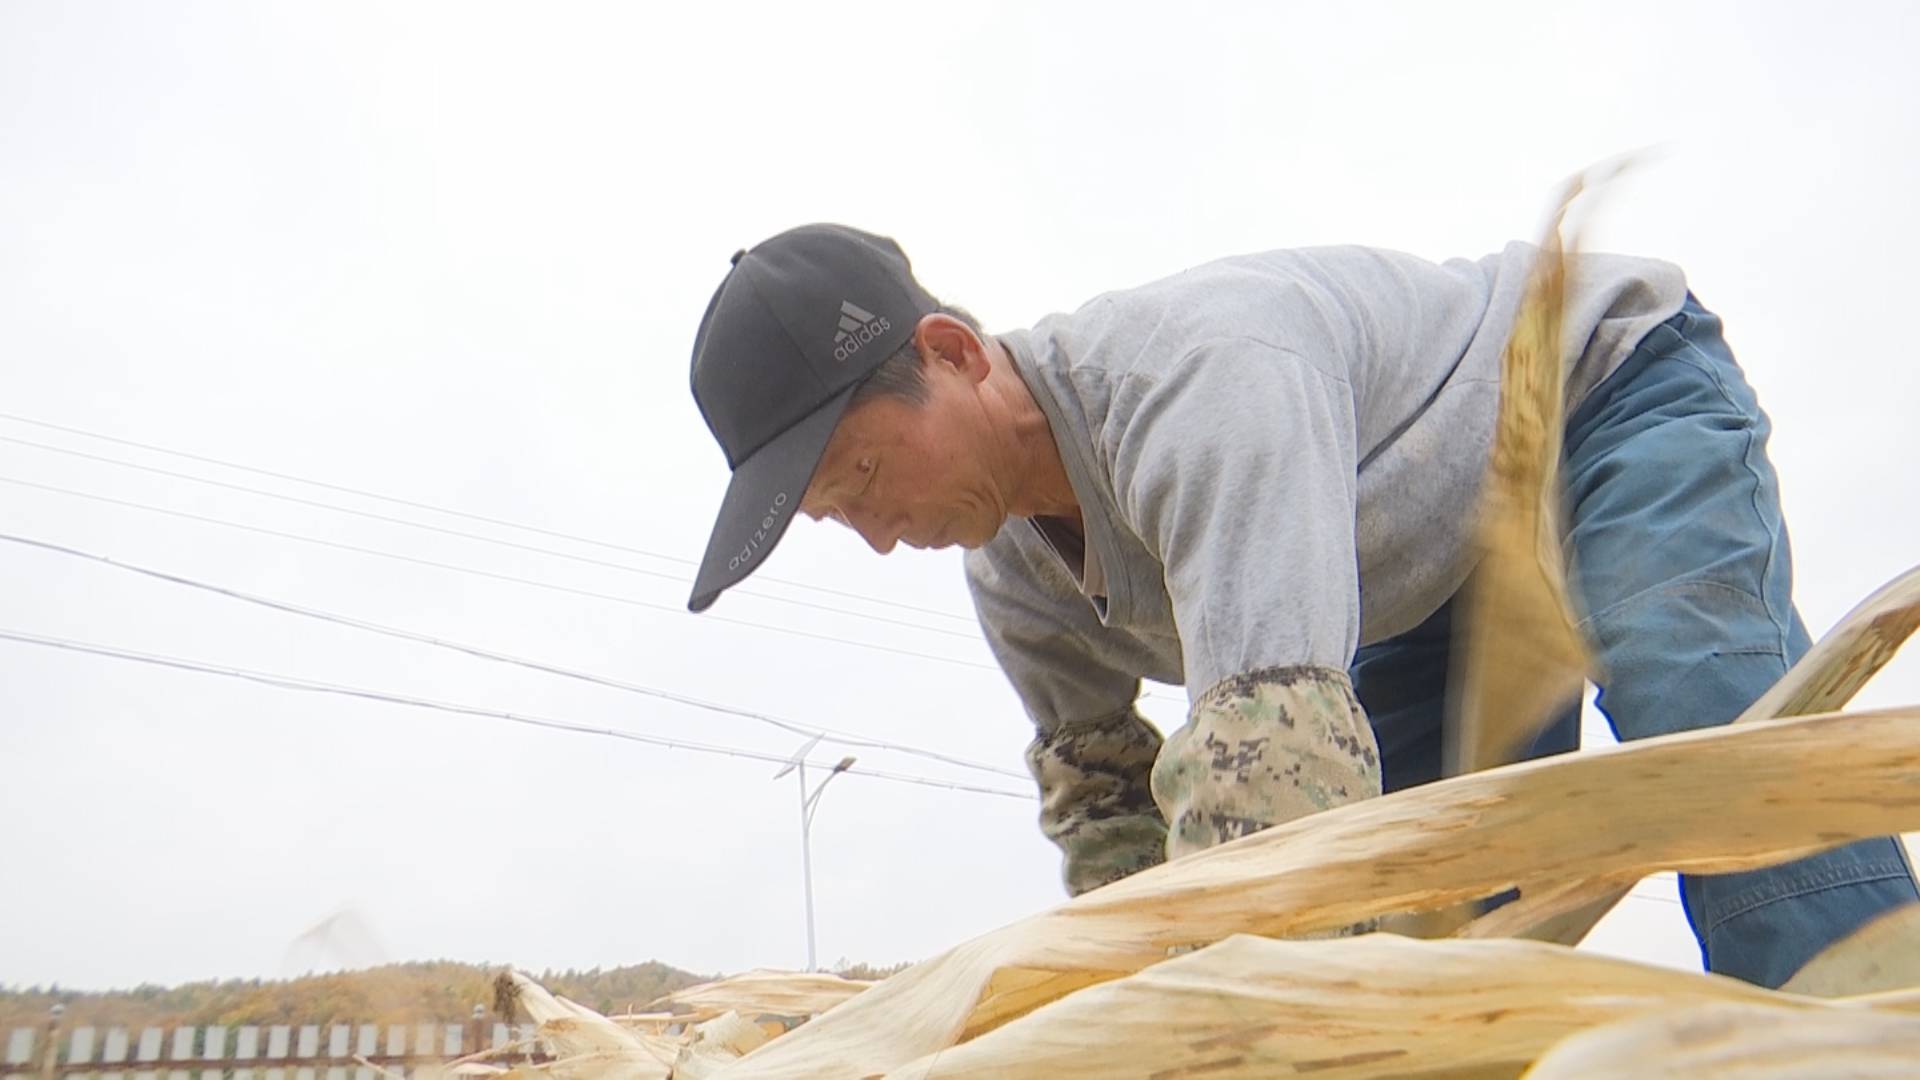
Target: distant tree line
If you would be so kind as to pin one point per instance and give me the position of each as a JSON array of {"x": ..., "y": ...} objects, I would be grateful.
[
  {"x": 392, "y": 994},
  {"x": 410, "y": 993}
]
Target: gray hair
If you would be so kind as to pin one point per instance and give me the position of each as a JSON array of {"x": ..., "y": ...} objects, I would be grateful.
[{"x": 899, "y": 376}]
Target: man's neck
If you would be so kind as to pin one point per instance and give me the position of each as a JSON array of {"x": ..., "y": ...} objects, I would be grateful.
[{"x": 1039, "y": 480}]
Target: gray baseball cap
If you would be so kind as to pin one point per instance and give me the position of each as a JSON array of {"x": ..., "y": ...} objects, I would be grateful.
[{"x": 798, "y": 322}]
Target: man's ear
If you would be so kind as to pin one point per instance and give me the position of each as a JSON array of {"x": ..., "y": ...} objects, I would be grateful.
[{"x": 943, "y": 339}]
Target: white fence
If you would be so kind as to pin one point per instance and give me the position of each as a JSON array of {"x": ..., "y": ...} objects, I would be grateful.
[{"x": 253, "y": 1052}]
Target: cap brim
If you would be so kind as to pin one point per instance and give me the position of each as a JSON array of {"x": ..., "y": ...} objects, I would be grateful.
[{"x": 762, "y": 500}]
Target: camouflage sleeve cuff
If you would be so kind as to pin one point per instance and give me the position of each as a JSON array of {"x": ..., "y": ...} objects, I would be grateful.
[
  {"x": 1263, "y": 748},
  {"x": 1094, "y": 797}
]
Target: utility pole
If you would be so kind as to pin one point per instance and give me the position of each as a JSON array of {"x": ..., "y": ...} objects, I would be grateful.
[{"x": 808, "y": 804}]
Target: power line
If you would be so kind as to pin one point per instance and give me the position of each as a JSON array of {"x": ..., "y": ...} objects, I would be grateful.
[
  {"x": 465, "y": 514},
  {"x": 492, "y": 521},
  {"x": 536, "y": 549},
  {"x": 842, "y": 738},
  {"x": 490, "y": 574},
  {"x": 288, "y": 682}
]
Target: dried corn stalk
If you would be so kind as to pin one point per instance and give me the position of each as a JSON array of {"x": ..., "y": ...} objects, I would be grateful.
[
  {"x": 1850, "y": 654},
  {"x": 1825, "y": 679},
  {"x": 1384, "y": 1005},
  {"x": 1717, "y": 800},
  {"x": 1253, "y": 1007},
  {"x": 716, "y": 1044},
  {"x": 587, "y": 1044},
  {"x": 1745, "y": 1041},
  {"x": 762, "y": 993},
  {"x": 1714, "y": 801},
  {"x": 1520, "y": 656},
  {"x": 655, "y": 1023},
  {"x": 1882, "y": 955}
]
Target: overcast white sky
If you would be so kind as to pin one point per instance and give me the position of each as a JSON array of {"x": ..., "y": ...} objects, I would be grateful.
[{"x": 456, "y": 254}]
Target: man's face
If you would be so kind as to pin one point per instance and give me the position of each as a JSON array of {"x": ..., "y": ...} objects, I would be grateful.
[{"x": 897, "y": 472}]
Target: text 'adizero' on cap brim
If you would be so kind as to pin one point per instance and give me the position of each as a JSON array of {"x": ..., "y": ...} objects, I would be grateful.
[{"x": 762, "y": 500}]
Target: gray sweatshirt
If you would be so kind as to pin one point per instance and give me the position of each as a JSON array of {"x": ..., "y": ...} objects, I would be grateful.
[{"x": 1277, "y": 458}]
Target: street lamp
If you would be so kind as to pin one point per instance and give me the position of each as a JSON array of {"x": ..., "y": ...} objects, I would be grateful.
[{"x": 808, "y": 801}]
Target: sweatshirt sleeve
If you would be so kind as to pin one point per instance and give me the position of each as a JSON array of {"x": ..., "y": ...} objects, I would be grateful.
[
  {"x": 1092, "y": 753},
  {"x": 1237, "y": 468}
]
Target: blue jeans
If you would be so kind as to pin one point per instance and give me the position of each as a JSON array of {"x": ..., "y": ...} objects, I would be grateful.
[{"x": 1682, "y": 570}]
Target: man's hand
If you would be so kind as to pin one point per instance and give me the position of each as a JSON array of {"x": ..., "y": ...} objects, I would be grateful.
[{"x": 1095, "y": 803}]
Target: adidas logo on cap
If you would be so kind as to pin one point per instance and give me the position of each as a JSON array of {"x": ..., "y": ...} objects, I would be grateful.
[{"x": 857, "y": 327}]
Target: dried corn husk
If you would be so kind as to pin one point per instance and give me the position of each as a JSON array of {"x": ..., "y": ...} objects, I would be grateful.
[
  {"x": 1745, "y": 1041},
  {"x": 760, "y": 993},
  {"x": 1882, "y": 955},
  {"x": 1825, "y": 679},
  {"x": 654, "y": 1023},
  {"x": 717, "y": 1043},
  {"x": 1519, "y": 655},
  {"x": 1717, "y": 800},
  {"x": 588, "y": 1045},
  {"x": 1850, "y": 654},
  {"x": 1381, "y": 1004}
]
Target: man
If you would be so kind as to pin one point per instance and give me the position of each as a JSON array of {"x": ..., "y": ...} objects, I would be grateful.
[{"x": 1259, "y": 478}]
